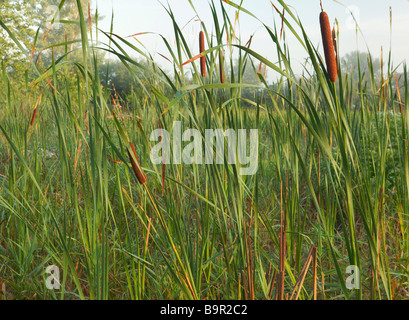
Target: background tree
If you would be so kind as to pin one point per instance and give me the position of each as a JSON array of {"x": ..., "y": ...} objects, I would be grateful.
[
  {"x": 121, "y": 82},
  {"x": 21, "y": 16},
  {"x": 31, "y": 22},
  {"x": 349, "y": 63},
  {"x": 248, "y": 74},
  {"x": 65, "y": 29}
]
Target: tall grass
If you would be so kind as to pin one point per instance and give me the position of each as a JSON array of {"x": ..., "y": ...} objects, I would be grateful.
[{"x": 331, "y": 190}]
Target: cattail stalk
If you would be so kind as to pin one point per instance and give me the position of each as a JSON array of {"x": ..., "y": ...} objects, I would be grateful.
[
  {"x": 283, "y": 231},
  {"x": 203, "y": 57},
  {"x": 136, "y": 167},
  {"x": 221, "y": 62},
  {"x": 33, "y": 117},
  {"x": 328, "y": 44},
  {"x": 163, "y": 163}
]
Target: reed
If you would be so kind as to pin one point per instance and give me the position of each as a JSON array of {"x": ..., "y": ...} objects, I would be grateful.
[
  {"x": 334, "y": 41},
  {"x": 140, "y": 175},
  {"x": 73, "y": 192},
  {"x": 203, "y": 57},
  {"x": 33, "y": 117},
  {"x": 221, "y": 68}
]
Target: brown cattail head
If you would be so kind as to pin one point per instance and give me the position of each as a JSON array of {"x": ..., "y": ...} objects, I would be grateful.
[
  {"x": 221, "y": 63},
  {"x": 33, "y": 117},
  {"x": 136, "y": 167},
  {"x": 203, "y": 57},
  {"x": 328, "y": 47}
]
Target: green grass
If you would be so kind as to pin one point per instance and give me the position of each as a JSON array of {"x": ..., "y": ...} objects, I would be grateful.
[{"x": 331, "y": 177}]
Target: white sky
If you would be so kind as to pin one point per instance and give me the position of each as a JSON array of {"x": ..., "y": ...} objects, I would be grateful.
[{"x": 135, "y": 16}]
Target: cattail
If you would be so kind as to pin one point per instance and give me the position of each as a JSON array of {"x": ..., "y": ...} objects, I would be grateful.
[
  {"x": 328, "y": 46},
  {"x": 33, "y": 117},
  {"x": 221, "y": 59},
  {"x": 203, "y": 57},
  {"x": 136, "y": 167}
]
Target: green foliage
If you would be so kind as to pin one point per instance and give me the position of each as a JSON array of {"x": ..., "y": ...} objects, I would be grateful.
[
  {"x": 120, "y": 81},
  {"x": 357, "y": 62},
  {"x": 333, "y": 178},
  {"x": 47, "y": 30},
  {"x": 22, "y": 16}
]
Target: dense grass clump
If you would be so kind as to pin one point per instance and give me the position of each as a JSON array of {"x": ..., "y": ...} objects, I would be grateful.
[{"x": 79, "y": 191}]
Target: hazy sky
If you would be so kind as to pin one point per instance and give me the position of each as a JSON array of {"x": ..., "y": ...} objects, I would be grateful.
[{"x": 135, "y": 16}]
